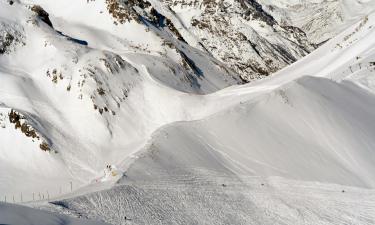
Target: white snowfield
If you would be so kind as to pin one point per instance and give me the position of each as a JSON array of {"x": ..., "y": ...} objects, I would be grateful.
[{"x": 294, "y": 148}]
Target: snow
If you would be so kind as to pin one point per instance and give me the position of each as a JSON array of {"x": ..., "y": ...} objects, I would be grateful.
[
  {"x": 186, "y": 148},
  {"x": 64, "y": 106},
  {"x": 320, "y": 20},
  {"x": 19, "y": 215},
  {"x": 211, "y": 198}
]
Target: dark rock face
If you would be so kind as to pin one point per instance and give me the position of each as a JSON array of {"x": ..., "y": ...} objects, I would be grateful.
[
  {"x": 255, "y": 10},
  {"x": 42, "y": 14}
]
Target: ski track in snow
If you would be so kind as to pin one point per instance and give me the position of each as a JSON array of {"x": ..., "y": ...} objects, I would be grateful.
[{"x": 216, "y": 199}]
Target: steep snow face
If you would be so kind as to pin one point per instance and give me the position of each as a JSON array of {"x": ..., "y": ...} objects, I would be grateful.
[
  {"x": 321, "y": 20},
  {"x": 327, "y": 140}
]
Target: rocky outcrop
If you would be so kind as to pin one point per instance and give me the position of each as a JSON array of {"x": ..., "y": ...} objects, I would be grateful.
[{"x": 241, "y": 34}]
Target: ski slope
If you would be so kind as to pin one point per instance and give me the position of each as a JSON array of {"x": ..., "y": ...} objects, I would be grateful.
[
  {"x": 222, "y": 199},
  {"x": 20, "y": 215}
]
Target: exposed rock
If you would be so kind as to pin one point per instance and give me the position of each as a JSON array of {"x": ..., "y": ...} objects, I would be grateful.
[
  {"x": 42, "y": 14},
  {"x": 20, "y": 122},
  {"x": 242, "y": 35}
]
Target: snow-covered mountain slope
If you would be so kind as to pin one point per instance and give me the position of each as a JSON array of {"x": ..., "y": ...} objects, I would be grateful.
[
  {"x": 317, "y": 110},
  {"x": 278, "y": 134},
  {"x": 296, "y": 148},
  {"x": 246, "y": 39},
  {"x": 20, "y": 215},
  {"x": 78, "y": 96},
  {"x": 321, "y": 20},
  {"x": 68, "y": 109}
]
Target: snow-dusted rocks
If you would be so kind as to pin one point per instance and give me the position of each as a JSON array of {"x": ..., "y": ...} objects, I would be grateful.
[
  {"x": 239, "y": 33},
  {"x": 321, "y": 20}
]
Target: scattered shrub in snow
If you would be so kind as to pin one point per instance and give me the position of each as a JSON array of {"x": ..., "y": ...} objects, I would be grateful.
[
  {"x": 101, "y": 91},
  {"x": 55, "y": 75},
  {"x": 44, "y": 146}
]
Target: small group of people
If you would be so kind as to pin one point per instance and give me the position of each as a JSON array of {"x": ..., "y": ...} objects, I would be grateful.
[{"x": 110, "y": 170}]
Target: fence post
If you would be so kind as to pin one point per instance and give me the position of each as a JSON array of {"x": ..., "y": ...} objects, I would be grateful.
[
  {"x": 5, "y": 198},
  {"x": 21, "y": 197},
  {"x": 13, "y": 199},
  {"x": 71, "y": 186},
  {"x": 33, "y": 197},
  {"x": 48, "y": 195}
]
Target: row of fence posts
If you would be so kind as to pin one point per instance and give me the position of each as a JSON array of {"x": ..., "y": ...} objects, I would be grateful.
[{"x": 37, "y": 196}]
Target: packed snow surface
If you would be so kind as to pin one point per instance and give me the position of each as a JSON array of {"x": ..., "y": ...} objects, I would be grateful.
[{"x": 20, "y": 215}]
